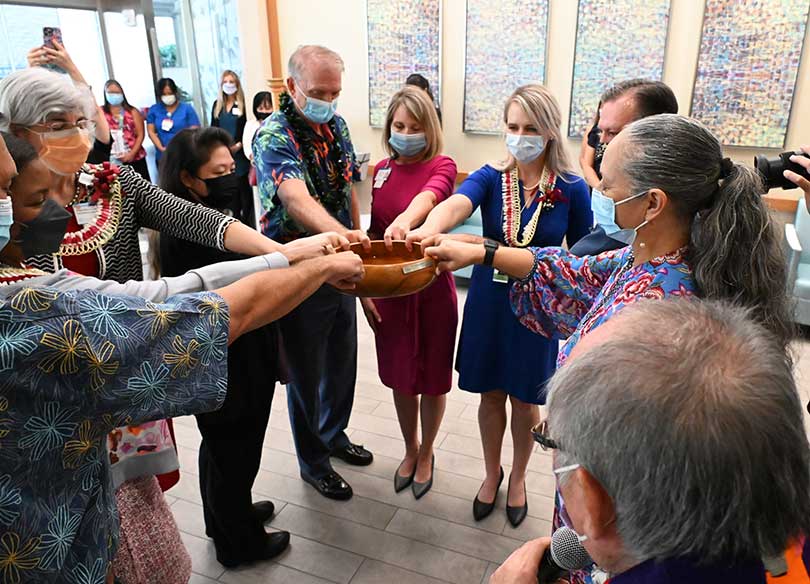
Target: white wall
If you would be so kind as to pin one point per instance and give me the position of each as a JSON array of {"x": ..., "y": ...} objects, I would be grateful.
[{"x": 341, "y": 25}]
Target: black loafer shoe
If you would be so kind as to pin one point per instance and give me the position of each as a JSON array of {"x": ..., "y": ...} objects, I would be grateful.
[
  {"x": 354, "y": 454},
  {"x": 332, "y": 486},
  {"x": 263, "y": 511},
  {"x": 482, "y": 510},
  {"x": 516, "y": 515},
  {"x": 275, "y": 543}
]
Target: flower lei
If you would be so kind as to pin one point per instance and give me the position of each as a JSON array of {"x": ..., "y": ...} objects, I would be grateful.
[
  {"x": 105, "y": 193},
  {"x": 303, "y": 133},
  {"x": 547, "y": 197}
]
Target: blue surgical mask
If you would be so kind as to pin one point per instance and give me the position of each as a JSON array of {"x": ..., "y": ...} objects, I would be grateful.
[
  {"x": 6, "y": 220},
  {"x": 114, "y": 98},
  {"x": 525, "y": 148},
  {"x": 604, "y": 212},
  {"x": 407, "y": 144},
  {"x": 317, "y": 110}
]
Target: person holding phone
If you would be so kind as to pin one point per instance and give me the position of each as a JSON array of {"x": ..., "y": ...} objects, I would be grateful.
[
  {"x": 168, "y": 116},
  {"x": 54, "y": 56}
]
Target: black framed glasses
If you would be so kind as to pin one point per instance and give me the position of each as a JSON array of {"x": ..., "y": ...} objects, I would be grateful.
[{"x": 542, "y": 437}]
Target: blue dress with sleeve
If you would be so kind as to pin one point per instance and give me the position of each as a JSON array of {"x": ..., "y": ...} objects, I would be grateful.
[{"x": 496, "y": 352}]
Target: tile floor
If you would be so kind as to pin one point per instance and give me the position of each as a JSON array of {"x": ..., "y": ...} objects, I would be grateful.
[{"x": 378, "y": 536}]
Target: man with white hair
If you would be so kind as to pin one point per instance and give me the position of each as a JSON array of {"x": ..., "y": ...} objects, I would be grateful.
[
  {"x": 305, "y": 169},
  {"x": 680, "y": 450}
]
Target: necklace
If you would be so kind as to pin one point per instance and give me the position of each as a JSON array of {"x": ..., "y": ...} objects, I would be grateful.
[
  {"x": 108, "y": 212},
  {"x": 513, "y": 208},
  {"x": 10, "y": 275}
]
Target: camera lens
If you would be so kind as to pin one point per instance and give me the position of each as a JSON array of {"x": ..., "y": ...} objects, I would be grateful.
[{"x": 772, "y": 169}]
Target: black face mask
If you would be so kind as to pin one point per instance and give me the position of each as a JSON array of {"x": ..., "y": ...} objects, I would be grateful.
[
  {"x": 261, "y": 116},
  {"x": 43, "y": 235},
  {"x": 222, "y": 191}
]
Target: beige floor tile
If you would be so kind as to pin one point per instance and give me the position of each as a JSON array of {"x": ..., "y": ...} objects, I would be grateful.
[
  {"x": 385, "y": 547},
  {"x": 374, "y": 572}
]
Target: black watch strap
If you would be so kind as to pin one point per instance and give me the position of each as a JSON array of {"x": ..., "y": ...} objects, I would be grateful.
[{"x": 489, "y": 254}]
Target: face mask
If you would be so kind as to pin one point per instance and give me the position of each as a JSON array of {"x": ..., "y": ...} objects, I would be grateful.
[
  {"x": 65, "y": 151},
  {"x": 229, "y": 88},
  {"x": 604, "y": 212},
  {"x": 407, "y": 144},
  {"x": 114, "y": 98},
  {"x": 168, "y": 99},
  {"x": 6, "y": 219},
  {"x": 43, "y": 235},
  {"x": 261, "y": 116},
  {"x": 317, "y": 110},
  {"x": 524, "y": 148},
  {"x": 222, "y": 190}
]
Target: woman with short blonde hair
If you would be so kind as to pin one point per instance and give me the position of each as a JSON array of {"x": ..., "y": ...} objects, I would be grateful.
[
  {"x": 415, "y": 335},
  {"x": 532, "y": 197}
]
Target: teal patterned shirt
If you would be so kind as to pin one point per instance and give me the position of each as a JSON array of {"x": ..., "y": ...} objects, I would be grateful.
[
  {"x": 278, "y": 157},
  {"x": 74, "y": 366}
]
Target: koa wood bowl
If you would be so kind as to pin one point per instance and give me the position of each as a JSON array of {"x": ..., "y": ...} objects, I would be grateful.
[{"x": 395, "y": 272}]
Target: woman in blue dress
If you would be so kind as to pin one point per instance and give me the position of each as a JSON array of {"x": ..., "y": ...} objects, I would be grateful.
[{"x": 533, "y": 198}]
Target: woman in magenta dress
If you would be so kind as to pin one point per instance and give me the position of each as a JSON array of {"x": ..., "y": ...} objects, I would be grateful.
[{"x": 415, "y": 334}]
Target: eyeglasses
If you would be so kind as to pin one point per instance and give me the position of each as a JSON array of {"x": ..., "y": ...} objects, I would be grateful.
[
  {"x": 541, "y": 436},
  {"x": 87, "y": 125}
]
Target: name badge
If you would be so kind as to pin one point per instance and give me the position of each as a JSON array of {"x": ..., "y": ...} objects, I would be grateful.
[
  {"x": 499, "y": 278},
  {"x": 237, "y": 112},
  {"x": 85, "y": 213},
  {"x": 381, "y": 177},
  {"x": 167, "y": 124}
]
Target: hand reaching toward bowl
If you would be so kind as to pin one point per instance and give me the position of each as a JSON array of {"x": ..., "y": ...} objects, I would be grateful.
[{"x": 452, "y": 254}]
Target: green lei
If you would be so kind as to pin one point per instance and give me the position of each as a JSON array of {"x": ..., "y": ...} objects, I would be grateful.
[{"x": 336, "y": 181}]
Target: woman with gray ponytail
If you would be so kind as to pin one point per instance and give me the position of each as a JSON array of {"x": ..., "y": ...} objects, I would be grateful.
[{"x": 694, "y": 223}]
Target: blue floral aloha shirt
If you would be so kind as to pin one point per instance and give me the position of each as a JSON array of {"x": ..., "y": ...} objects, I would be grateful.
[
  {"x": 73, "y": 366},
  {"x": 278, "y": 157}
]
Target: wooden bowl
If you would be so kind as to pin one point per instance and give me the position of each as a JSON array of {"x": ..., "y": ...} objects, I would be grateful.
[{"x": 395, "y": 272}]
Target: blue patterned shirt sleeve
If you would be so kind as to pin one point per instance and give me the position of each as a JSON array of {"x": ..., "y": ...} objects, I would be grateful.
[
  {"x": 277, "y": 157},
  {"x": 73, "y": 366}
]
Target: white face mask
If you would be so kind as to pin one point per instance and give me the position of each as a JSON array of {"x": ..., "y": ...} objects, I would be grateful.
[
  {"x": 168, "y": 99},
  {"x": 229, "y": 88},
  {"x": 525, "y": 148}
]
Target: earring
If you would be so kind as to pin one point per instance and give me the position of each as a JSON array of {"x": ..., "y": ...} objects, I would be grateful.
[{"x": 641, "y": 244}]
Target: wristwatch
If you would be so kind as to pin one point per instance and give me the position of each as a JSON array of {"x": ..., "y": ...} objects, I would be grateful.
[{"x": 490, "y": 247}]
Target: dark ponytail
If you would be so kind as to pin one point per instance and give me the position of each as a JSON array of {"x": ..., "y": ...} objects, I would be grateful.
[{"x": 734, "y": 250}]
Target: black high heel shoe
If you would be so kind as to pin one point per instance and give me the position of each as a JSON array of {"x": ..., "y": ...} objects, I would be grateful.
[
  {"x": 420, "y": 489},
  {"x": 400, "y": 482},
  {"x": 516, "y": 515},
  {"x": 481, "y": 509}
]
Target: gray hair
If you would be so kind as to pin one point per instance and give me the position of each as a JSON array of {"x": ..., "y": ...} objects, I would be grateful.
[
  {"x": 688, "y": 416},
  {"x": 31, "y": 96},
  {"x": 305, "y": 54},
  {"x": 734, "y": 250}
]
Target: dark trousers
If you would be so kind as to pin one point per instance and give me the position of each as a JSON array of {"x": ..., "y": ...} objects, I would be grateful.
[
  {"x": 320, "y": 345},
  {"x": 231, "y": 448}
]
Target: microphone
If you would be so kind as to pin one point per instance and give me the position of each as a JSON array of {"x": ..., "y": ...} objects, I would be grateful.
[{"x": 563, "y": 555}]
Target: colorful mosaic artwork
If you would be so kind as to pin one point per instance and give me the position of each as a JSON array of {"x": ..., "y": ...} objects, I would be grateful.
[
  {"x": 616, "y": 40},
  {"x": 747, "y": 69},
  {"x": 403, "y": 38},
  {"x": 506, "y": 48}
]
